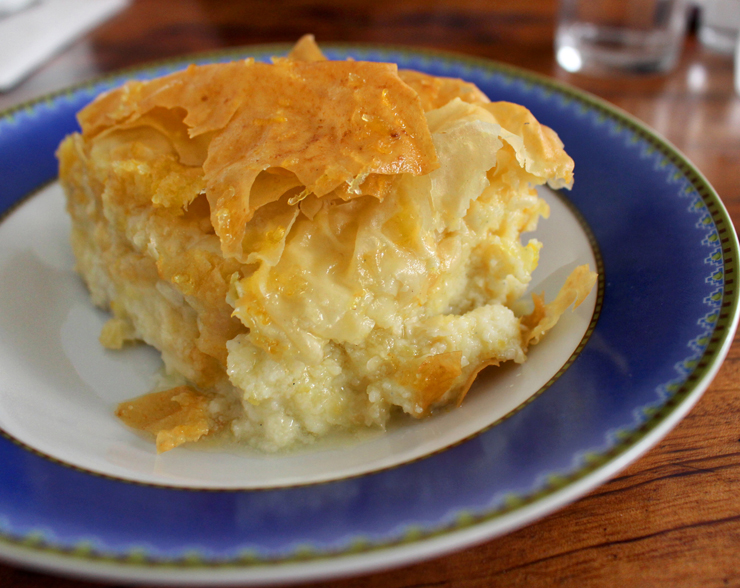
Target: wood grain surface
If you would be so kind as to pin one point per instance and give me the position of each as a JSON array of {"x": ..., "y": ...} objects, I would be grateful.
[{"x": 670, "y": 519}]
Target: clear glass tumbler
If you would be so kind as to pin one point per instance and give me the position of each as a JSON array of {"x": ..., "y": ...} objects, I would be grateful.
[
  {"x": 719, "y": 24},
  {"x": 604, "y": 37}
]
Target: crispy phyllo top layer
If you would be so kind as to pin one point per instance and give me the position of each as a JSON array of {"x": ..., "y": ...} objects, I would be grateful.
[
  {"x": 297, "y": 131},
  {"x": 298, "y": 127},
  {"x": 434, "y": 91},
  {"x": 319, "y": 126}
]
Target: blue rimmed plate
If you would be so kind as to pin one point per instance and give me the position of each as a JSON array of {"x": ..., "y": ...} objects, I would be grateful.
[{"x": 599, "y": 392}]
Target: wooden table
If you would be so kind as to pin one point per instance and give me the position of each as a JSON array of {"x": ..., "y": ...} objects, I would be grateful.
[{"x": 672, "y": 518}]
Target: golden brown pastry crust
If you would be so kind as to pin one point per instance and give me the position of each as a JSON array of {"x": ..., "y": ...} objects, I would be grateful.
[{"x": 334, "y": 123}]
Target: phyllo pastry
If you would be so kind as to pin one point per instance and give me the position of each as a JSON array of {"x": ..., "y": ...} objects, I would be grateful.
[{"x": 312, "y": 245}]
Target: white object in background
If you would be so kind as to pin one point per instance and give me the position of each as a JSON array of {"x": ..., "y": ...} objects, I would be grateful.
[
  {"x": 719, "y": 24},
  {"x": 10, "y": 6},
  {"x": 737, "y": 66},
  {"x": 29, "y": 38}
]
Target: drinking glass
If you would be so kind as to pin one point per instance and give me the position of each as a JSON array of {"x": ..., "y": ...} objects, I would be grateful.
[{"x": 605, "y": 37}]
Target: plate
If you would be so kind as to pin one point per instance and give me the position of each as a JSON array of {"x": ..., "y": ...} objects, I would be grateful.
[{"x": 81, "y": 495}]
